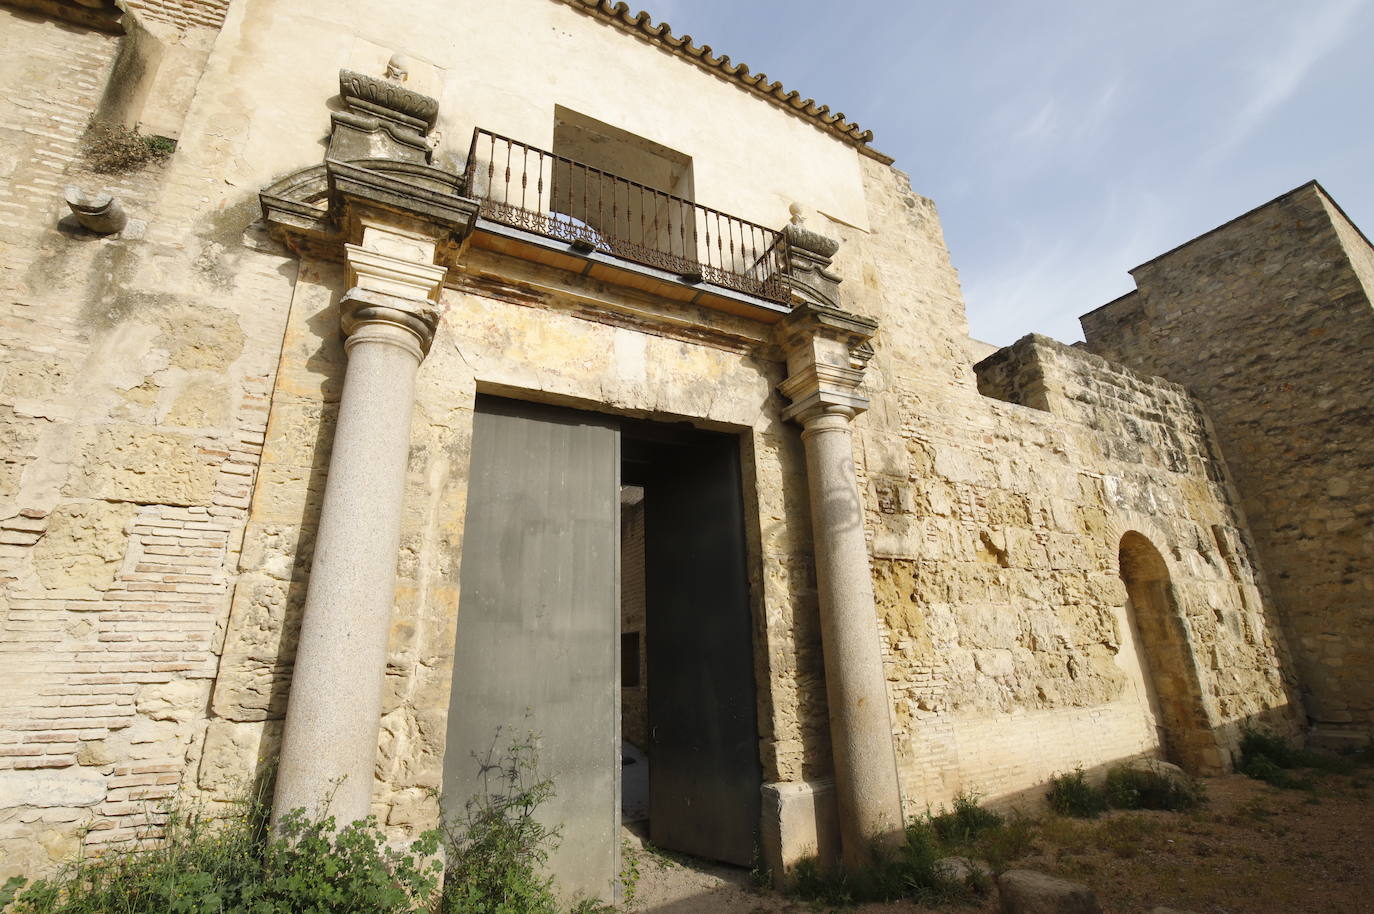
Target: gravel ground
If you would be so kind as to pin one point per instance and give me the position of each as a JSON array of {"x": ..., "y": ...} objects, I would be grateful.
[{"x": 1253, "y": 849}]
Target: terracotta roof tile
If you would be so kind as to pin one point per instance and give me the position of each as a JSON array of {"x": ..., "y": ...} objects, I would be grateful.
[{"x": 642, "y": 24}]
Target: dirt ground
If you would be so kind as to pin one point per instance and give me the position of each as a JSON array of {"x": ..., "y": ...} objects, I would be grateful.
[{"x": 1252, "y": 849}]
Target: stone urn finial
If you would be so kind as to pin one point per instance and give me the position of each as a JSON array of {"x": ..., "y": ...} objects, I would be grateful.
[
  {"x": 808, "y": 261},
  {"x": 384, "y": 120},
  {"x": 398, "y": 68}
]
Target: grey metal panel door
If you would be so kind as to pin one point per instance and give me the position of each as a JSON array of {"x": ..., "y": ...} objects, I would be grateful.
[
  {"x": 538, "y": 624},
  {"x": 704, "y": 777}
]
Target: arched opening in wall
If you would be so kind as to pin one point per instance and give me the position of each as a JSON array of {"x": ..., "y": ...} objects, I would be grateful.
[{"x": 1168, "y": 677}]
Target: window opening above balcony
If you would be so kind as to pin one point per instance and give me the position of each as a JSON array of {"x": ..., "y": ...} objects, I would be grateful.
[
  {"x": 618, "y": 152},
  {"x": 607, "y": 193}
]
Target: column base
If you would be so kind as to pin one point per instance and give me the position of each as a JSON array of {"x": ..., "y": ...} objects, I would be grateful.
[{"x": 801, "y": 821}]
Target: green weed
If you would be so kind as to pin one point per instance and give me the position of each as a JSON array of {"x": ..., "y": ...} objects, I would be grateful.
[
  {"x": 1070, "y": 794},
  {"x": 1140, "y": 788}
]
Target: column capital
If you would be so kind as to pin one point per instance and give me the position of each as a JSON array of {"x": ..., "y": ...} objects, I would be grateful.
[
  {"x": 392, "y": 279},
  {"x": 827, "y": 351}
]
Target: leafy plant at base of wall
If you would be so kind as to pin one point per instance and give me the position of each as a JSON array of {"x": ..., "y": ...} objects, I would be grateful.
[
  {"x": 1269, "y": 757},
  {"x": 629, "y": 872},
  {"x": 906, "y": 872},
  {"x": 114, "y": 149},
  {"x": 965, "y": 822},
  {"x": 203, "y": 865},
  {"x": 496, "y": 854},
  {"x": 1070, "y": 794},
  {"x": 1139, "y": 788}
]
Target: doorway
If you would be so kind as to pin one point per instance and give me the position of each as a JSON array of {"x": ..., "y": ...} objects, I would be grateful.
[
  {"x": 1169, "y": 677},
  {"x": 541, "y": 645}
]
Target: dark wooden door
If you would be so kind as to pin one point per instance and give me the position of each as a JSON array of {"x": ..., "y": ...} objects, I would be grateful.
[{"x": 704, "y": 777}]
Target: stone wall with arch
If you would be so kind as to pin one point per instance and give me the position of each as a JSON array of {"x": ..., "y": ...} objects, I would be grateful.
[{"x": 996, "y": 522}]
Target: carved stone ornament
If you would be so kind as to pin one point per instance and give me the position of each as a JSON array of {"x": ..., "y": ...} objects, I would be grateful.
[
  {"x": 384, "y": 120},
  {"x": 808, "y": 260},
  {"x": 827, "y": 351},
  {"x": 367, "y": 177},
  {"x": 100, "y": 213}
]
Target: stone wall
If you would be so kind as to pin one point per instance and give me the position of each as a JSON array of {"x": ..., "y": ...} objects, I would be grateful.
[
  {"x": 996, "y": 528},
  {"x": 134, "y": 380},
  {"x": 1268, "y": 321}
]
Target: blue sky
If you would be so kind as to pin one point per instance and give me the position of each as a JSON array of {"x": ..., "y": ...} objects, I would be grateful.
[{"x": 1066, "y": 142}]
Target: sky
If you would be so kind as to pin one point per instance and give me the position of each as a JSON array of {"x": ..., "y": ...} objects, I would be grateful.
[{"x": 1066, "y": 142}]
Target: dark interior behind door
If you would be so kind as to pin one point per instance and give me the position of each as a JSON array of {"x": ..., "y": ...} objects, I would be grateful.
[{"x": 703, "y": 743}]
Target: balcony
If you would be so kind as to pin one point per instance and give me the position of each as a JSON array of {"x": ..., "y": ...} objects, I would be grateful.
[{"x": 556, "y": 210}]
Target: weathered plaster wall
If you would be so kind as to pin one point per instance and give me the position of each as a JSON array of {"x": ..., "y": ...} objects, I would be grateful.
[
  {"x": 134, "y": 379},
  {"x": 1268, "y": 321},
  {"x": 504, "y": 67}
]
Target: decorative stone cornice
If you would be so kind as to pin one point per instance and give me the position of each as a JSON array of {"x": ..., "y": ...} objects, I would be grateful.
[
  {"x": 827, "y": 350},
  {"x": 389, "y": 99},
  {"x": 375, "y": 171},
  {"x": 396, "y": 222}
]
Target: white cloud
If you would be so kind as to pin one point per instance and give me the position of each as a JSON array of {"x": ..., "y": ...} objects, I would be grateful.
[{"x": 1314, "y": 36}]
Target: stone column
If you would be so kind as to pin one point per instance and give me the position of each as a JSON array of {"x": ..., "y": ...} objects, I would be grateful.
[
  {"x": 329, "y": 746},
  {"x": 823, "y": 382}
]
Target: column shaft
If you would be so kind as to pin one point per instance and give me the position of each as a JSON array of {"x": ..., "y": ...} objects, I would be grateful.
[
  {"x": 856, "y": 687},
  {"x": 329, "y": 746}
]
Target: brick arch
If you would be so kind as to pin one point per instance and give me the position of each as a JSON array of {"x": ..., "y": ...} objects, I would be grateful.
[{"x": 1169, "y": 667}]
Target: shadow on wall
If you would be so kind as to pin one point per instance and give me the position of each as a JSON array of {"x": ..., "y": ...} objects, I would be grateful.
[
  {"x": 1166, "y": 658},
  {"x": 326, "y": 365},
  {"x": 1031, "y": 800}
]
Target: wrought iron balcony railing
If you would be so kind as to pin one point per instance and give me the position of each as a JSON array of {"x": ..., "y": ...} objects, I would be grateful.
[{"x": 592, "y": 210}]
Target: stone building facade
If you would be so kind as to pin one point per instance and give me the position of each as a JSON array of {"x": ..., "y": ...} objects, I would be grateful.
[{"x": 240, "y": 431}]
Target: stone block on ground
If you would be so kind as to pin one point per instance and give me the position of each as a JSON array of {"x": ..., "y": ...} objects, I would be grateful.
[
  {"x": 1161, "y": 767},
  {"x": 1029, "y": 892}
]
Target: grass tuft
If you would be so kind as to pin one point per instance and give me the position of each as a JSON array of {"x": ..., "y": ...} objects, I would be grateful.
[{"x": 1070, "y": 794}]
